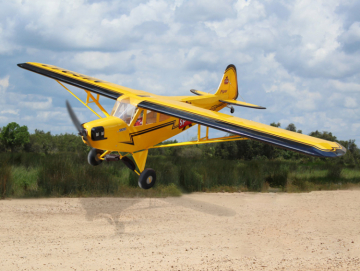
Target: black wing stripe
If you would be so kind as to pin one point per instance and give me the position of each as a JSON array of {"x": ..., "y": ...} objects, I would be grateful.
[
  {"x": 71, "y": 81},
  {"x": 242, "y": 131}
]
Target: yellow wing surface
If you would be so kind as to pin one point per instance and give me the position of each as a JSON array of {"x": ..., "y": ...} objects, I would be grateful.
[{"x": 246, "y": 128}]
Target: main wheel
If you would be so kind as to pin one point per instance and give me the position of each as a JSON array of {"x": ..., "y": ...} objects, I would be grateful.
[
  {"x": 147, "y": 178},
  {"x": 93, "y": 157}
]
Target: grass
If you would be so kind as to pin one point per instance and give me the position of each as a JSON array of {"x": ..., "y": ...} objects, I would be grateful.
[
  {"x": 68, "y": 174},
  {"x": 25, "y": 181}
]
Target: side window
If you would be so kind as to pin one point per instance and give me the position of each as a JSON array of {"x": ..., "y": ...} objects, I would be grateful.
[
  {"x": 139, "y": 120},
  {"x": 150, "y": 117},
  {"x": 163, "y": 117}
]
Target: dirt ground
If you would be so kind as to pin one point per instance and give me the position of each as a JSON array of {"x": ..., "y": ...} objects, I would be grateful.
[{"x": 239, "y": 231}]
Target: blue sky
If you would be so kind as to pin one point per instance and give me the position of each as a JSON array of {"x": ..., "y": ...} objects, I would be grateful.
[{"x": 300, "y": 59}]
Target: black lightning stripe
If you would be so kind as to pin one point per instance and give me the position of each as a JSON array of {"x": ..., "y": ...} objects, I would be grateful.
[{"x": 132, "y": 135}]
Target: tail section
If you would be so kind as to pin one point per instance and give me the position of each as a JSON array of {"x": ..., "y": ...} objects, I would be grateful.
[{"x": 228, "y": 88}]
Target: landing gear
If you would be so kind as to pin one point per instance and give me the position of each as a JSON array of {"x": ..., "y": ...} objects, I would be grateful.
[
  {"x": 232, "y": 110},
  {"x": 93, "y": 157},
  {"x": 147, "y": 178}
]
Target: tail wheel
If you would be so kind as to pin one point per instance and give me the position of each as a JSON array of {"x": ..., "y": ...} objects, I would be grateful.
[
  {"x": 147, "y": 178},
  {"x": 93, "y": 157}
]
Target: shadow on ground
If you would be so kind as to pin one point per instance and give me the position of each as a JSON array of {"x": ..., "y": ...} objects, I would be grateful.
[{"x": 112, "y": 208}]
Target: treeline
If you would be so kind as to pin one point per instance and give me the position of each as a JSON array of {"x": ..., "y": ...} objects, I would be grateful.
[
  {"x": 247, "y": 150},
  {"x": 14, "y": 138},
  {"x": 42, "y": 164}
]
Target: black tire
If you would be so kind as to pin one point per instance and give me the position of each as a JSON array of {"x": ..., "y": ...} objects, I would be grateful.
[
  {"x": 93, "y": 157},
  {"x": 147, "y": 178},
  {"x": 130, "y": 164}
]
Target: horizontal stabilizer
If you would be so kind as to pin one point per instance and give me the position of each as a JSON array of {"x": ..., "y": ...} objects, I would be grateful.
[
  {"x": 238, "y": 103},
  {"x": 198, "y": 92}
]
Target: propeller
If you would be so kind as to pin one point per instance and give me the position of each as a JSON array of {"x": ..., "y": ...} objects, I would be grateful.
[{"x": 77, "y": 124}]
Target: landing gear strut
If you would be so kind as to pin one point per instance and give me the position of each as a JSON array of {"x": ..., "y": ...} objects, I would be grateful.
[{"x": 147, "y": 177}]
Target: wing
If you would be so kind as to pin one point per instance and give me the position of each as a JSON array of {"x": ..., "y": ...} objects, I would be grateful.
[
  {"x": 107, "y": 89},
  {"x": 247, "y": 128}
]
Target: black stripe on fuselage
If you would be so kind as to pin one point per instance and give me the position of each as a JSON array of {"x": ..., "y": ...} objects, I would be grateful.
[
  {"x": 242, "y": 131},
  {"x": 71, "y": 81},
  {"x": 132, "y": 135}
]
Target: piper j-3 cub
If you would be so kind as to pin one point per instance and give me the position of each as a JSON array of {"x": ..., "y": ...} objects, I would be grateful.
[{"x": 141, "y": 120}]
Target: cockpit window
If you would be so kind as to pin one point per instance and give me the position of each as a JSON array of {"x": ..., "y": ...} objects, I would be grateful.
[{"x": 124, "y": 110}]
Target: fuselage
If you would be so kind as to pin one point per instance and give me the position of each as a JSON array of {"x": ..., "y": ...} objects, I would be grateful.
[{"x": 131, "y": 128}]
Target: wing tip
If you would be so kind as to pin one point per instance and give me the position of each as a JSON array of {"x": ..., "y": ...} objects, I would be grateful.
[
  {"x": 340, "y": 151},
  {"x": 335, "y": 152}
]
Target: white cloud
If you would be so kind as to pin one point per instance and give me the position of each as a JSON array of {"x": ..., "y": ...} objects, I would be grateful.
[
  {"x": 4, "y": 84},
  {"x": 10, "y": 111},
  {"x": 346, "y": 87},
  {"x": 350, "y": 102},
  {"x": 37, "y": 105},
  {"x": 296, "y": 58}
]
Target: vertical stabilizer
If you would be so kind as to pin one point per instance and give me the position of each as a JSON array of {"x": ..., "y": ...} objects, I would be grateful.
[{"x": 228, "y": 88}]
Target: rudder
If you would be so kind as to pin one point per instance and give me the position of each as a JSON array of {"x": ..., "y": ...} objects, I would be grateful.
[{"x": 228, "y": 88}]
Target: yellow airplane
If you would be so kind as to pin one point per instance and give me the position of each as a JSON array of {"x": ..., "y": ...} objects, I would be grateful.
[{"x": 141, "y": 120}]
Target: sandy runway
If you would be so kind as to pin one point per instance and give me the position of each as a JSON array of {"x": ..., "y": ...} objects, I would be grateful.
[{"x": 240, "y": 231}]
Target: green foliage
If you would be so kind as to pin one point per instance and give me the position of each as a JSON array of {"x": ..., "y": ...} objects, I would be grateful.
[
  {"x": 277, "y": 174},
  {"x": 323, "y": 135},
  {"x": 291, "y": 127},
  {"x": 55, "y": 165},
  {"x": 275, "y": 124},
  {"x": 24, "y": 181},
  {"x": 14, "y": 136},
  {"x": 5, "y": 178},
  {"x": 334, "y": 172},
  {"x": 41, "y": 142}
]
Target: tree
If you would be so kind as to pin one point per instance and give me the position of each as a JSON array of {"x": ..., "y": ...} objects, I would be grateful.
[
  {"x": 323, "y": 135},
  {"x": 291, "y": 127},
  {"x": 275, "y": 124},
  {"x": 41, "y": 142},
  {"x": 13, "y": 136}
]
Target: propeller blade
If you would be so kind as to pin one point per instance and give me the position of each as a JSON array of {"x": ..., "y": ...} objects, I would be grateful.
[
  {"x": 76, "y": 123},
  {"x": 73, "y": 117}
]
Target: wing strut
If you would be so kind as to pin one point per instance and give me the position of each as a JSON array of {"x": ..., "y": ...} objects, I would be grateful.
[
  {"x": 202, "y": 140},
  {"x": 88, "y": 97}
]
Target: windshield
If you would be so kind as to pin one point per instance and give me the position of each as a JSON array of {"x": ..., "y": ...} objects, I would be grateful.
[{"x": 124, "y": 110}]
